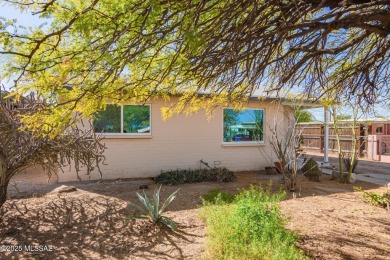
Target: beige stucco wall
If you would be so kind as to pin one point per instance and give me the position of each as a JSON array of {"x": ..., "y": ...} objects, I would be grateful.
[
  {"x": 34, "y": 175},
  {"x": 181, "y": 142}
]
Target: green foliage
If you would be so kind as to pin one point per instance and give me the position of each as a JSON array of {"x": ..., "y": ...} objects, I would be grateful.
[
  {"x": 134, "y": 50},
  {"x": 343, "y": 117},
  {"x": 178, "y": 176},
  {"x": 230, "y": 117},
  {"x": 135, "y": 118},
  {"x": 217, "y": 196},
  {"x": 151, "y": 207},
  {"x": 249, "y": 228},
  {"x": 374, "y": 198},
  {"x": 108, "y": 120},
  {"x": 303, "y": 116},
  {"x": 310, "y": 170}
]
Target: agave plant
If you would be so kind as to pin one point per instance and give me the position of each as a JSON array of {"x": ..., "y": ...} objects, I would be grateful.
[{"x": 151, "y": 207}]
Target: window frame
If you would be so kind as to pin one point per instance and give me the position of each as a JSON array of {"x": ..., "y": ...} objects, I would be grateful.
[
  {"x": 243, "y": 143},
  {"x": 129, "y": 135}
]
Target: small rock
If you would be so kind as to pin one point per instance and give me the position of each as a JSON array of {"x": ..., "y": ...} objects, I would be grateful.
[
  {"x": 353, "y": 178},
  {"x": 64, "y": 188},
  {"x": 336, "y": 176}
]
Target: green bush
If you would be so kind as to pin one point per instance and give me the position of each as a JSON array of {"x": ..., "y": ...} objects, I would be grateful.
[
  {"x": 249, "y": 228},
  {"x": 178, "y": 176},
  {"x": 310, "y": 170},
  {"x": 347, "y": 161},
  {"x": 217, "y": 196},
  {"x": 374, "y": 198}
]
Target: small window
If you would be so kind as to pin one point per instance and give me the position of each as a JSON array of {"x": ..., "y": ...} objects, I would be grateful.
[
  {"x": 126, "y": 119},
  {"x": 379, "y": 130},
  {"x": 243, "y": 126}
]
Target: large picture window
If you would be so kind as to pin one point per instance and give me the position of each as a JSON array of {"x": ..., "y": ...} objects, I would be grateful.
[
  {"x": 126, "y": 119},
  {"x": 243, "y": 125}
]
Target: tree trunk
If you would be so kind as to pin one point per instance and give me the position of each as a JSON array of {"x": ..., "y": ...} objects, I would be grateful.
[
  {"x": 3, "y": 194},
  {"x": 354, "y": 151},
  {"x": 339, "y": 151},
  {"x": 3, "y": 184},
  {"x": 341, "y": 172},
  {"x": 337, "y": 133}
]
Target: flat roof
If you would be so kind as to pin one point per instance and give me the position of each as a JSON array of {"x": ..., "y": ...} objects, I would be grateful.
[
  {"x": 293, "y": 102},
  {"x": 300, "y": 103}
]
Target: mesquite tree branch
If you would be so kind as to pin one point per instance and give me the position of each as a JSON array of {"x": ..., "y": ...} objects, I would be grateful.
[
  {"x": 222, "y": 46},
  {"x": 21, "y": 148}
]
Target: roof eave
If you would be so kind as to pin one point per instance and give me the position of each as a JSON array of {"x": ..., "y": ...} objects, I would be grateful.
[{"x": 295, "y": 103}]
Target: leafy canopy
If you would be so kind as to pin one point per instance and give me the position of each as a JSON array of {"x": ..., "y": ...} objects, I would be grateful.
[
  {"x": 303, "y": 116},
  {"x": 21, "y": 149},
  {"x": 132, "y": 50}
]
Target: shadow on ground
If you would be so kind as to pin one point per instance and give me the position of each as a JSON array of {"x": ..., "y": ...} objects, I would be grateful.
[
  {"x": 92, "y": 222},
  {"x": 190, "y": 193},
  {"x": 91, "y": 227},
  {"x": 352, "y": 243}
]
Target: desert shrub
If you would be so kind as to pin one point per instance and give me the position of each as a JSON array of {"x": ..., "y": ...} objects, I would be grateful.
[
  {"x": 374, "y": 198},
  {"x": 179, "y": 176},
  {"x": 310, "y": 170},
  {"x": 347, "y": 161},
  {"x": 251, "y": 227},
  {"x": 344, "y": 178},
  {"x": 217, "y": 196},
  {"x": 153, "y": 209}
]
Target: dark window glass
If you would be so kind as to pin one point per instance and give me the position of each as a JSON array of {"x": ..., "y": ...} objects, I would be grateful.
[
  {"x": 136, "y": 119},
  {"x": 108, "y": 120}
]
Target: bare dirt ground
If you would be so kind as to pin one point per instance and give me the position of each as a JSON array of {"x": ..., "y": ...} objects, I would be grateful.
[
  {"x": 92, "y": 222},
  {"x": 334, "y": 223}
]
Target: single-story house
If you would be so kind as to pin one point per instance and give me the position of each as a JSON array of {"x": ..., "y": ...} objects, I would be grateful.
[{"x": 141, "y": 144}]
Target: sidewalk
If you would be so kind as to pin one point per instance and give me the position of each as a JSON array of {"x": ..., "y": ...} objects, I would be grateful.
[{"x": 379, "y": 179}]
